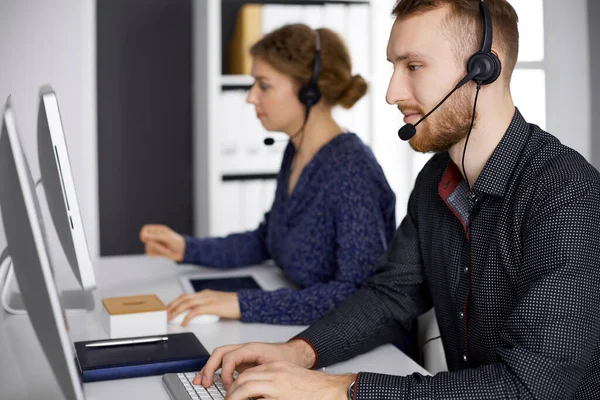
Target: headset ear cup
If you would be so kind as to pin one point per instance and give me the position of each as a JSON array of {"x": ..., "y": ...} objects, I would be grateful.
[
  {"x": 497, "y": 68},
  {"x": 489, "y": 67},
  {"x": 309, "y": 95}
]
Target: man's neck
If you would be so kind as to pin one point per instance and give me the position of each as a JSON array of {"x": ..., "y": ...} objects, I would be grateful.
[{"x": 490, "y": 127}]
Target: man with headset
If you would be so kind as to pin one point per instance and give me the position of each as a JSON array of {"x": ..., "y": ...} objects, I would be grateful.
[{"x": 501, "y": 236}]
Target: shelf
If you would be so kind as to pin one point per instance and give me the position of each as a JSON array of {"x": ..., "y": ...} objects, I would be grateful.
[
  {"x": 249, "y": 177},
  {"x": 234, "y": 82},
  {"x": 301, "y": 2}
]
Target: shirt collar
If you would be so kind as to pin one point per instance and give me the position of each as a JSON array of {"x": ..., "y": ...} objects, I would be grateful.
[{"x": 496, "y": 173}]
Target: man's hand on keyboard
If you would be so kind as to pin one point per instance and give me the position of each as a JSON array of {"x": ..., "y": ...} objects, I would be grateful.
[
  {"x": 283, "y": 380},
  {"x": 243, "y": 356}
]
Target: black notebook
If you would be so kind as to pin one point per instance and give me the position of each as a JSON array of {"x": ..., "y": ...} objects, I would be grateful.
[{"x": 182, "y": 352}]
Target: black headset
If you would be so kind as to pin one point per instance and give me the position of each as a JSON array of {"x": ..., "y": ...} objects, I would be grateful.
[
  {"x": 485, "y": 68},
  {"x": 485, "y": 64},
  {"x": 310, "y": 94}
]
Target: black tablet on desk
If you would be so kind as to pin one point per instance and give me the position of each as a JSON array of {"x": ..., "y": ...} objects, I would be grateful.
[{"x": 195, "y": 284}]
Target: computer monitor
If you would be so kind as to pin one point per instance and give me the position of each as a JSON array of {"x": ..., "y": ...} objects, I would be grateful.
[
  {"x": 59, "y": 188},
  {"x": 29, "y": 252},
  {"x": 61, "y": 198}
]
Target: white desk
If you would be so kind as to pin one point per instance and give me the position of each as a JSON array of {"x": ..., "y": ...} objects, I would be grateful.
[{"x": 25, "y": 372}]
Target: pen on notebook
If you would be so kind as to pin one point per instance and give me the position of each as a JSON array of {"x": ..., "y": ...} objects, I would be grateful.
[{"x": 125, "y": 342}]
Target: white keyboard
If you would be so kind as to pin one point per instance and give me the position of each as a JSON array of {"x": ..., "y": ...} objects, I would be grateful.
[
  {"x": 198, "y": 392},
  {"x": 178, "y": 384}
]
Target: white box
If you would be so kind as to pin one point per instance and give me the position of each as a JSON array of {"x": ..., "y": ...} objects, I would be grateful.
[{"x": 132, "y": 316}]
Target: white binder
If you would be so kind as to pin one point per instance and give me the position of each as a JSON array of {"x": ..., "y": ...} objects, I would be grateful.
[
  {"x": 313, "y": 16},
  {"x": 230, "y": 209}
]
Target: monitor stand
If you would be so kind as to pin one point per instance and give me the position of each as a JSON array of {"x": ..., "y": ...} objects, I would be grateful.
[{"x": 73, "y": 301}]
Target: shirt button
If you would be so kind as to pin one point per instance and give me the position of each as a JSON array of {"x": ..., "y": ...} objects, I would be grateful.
[
  {"x": 466, "y": 270},
  {"x": 461, "y": 315},
  {"x": 464, "y": 357}
]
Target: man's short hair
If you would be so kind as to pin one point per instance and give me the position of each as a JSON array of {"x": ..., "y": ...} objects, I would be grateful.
[{"x": 465, "y": 27}]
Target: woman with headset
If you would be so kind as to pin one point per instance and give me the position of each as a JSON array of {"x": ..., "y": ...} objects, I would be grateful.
[{"x": 333, "y": 212}]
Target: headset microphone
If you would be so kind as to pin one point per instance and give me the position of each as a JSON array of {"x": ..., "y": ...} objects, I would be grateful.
[
  {"x": 270, "y": 141},
  {"x": 409, "y": 130}
]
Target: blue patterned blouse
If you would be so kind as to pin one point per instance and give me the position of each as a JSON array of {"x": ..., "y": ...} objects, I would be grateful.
[{"x": 326, "y": 236}]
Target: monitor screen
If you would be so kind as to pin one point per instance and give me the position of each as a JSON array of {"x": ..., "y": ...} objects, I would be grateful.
[
  {"x": 29, "y": 253},
  {"x": 59, "y": 188}
]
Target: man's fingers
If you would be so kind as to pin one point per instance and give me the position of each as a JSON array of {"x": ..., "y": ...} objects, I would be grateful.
[
  {"x": 260, "y": 368},
  {"x": 241, "y": 356},
  {"x": 244, "y": 367},
  {"x": 264, "y": 389},
  {"x": 248, "y": 376},
  {"x": 213, "y": 364}
]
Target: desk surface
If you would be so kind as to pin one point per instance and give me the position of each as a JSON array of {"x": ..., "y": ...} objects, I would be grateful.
[{"x": 25, "y": 372}]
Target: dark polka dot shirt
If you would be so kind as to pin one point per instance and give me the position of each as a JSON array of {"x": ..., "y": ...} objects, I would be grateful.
[
  {"x": 512, "y": 269},
  {"x": 326, "y": 236}
]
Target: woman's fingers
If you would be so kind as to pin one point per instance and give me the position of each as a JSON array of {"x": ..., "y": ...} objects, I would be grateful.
[{"x": 156, "y": 249}]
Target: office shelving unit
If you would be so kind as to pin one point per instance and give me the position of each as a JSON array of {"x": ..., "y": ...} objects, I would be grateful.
[{"x": 231, "y": 172}]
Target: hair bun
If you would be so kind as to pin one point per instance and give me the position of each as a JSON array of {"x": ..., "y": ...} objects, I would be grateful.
[{"x": 356, "y": 89}]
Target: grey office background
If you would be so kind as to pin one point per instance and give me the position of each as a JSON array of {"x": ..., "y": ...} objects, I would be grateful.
[
  {"x": 55, "y": 42},
  {"x": 144, "y": 86}
]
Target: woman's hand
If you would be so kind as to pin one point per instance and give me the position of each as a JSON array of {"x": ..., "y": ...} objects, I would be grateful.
[
  {"x": 162, "y": 241},
  {"x": 223, "y": 304}
]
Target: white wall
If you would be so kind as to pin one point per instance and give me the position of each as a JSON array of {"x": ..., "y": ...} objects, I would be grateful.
[
  {"x": 394, "y": 155},
  {"x": 53, "y": 42},
  {"x": 567, "y": 63}
]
